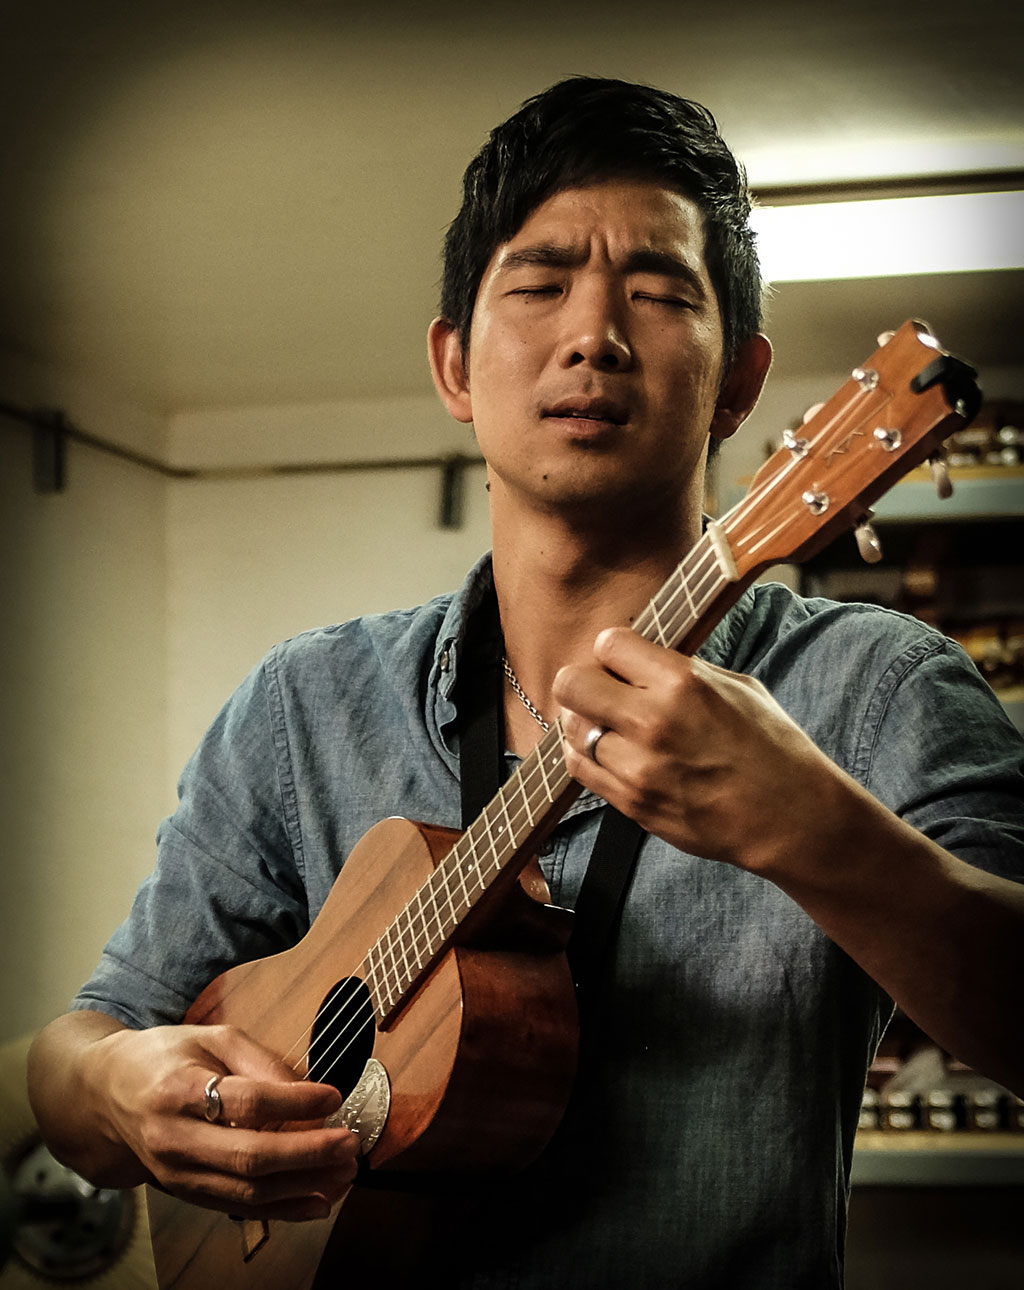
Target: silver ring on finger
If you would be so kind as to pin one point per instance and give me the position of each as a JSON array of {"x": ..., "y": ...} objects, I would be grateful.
[
  {"x": 213, "y": 1107},
  {"x": 594, "y": 736}
]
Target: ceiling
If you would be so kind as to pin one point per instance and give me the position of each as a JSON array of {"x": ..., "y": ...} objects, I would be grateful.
[{"x": 219, "y": 204}]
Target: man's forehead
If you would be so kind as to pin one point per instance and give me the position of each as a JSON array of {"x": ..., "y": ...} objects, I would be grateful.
[{"x": 635, "y": 216}]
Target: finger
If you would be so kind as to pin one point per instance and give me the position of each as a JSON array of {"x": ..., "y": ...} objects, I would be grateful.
[
  {"x": 242, "y": 1055},
  {"x": 255, "y": 1104},
  {"x": 597, "y": 773},
  {"x": 641, "y": 663},
  {"x": 578, "y": 730},
  {"x": 227, "y": 1148},
  {"x": 295, "y": 1196},
  {"x": 238, "y": 1193},
  {"x": 588, "y": 697},
  {"x": 255, "y": 1153},
  {"x": 242, "y": 1167}
]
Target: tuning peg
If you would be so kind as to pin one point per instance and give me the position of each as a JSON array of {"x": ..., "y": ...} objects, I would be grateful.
[
  {"x": 940, "y": 474},
  {"x": 867, "y": 542}
]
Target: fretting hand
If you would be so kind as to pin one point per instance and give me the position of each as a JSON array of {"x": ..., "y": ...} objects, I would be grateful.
[{"x": 702, "y": 757}]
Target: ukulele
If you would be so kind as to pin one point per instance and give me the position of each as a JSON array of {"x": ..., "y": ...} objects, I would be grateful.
[{"x": 433, "y": 988}]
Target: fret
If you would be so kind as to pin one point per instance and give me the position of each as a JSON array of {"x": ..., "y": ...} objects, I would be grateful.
[
  {"x": 465, "y": 903},
  {"x": 557, "y": 768},
  {"x": 660, "y": 637},
  {"x": 388, "y": 982},
  {"x": 520, "y": 783},
  {"x": 387, "y": 944},
  {"x": 469, "y": 868},
  {"x": 440, "y": 875},
  {"x": 423, "y": 937},
  {"x": 461, "y": 862},
  {"x": 371, "y": 977},
  {"x": 417, "y": 917},
  {"x": 502, "y": 799},
  {"x": 543, "y": 772},
  {"x": 406, "y": 937},
  {"x": 642, "y": 626},
  {"x": 428, "y": 887},
  {"x": 683, "y": 581},
  {"x": 497, "y": 843}
]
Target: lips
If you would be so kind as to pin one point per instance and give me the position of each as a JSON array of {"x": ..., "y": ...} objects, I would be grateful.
[{"x": 592, "y": 410}]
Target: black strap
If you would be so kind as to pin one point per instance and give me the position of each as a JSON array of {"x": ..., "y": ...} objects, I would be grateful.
[
  {"x": 481, "y": 711},
  {"x": 599, "y": 905},
  {"x": 482, "y": 772}
]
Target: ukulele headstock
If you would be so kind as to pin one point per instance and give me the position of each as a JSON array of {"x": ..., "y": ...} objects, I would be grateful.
[{"x": 893, "y": 412}]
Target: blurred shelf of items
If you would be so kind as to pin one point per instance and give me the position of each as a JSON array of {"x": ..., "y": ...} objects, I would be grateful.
[
  {"x": 927, "y": 1120},
  {"x": 959, "y": 568}
]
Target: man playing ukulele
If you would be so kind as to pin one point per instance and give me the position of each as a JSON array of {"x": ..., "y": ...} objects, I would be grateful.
[{"x": 830, "y": 795}]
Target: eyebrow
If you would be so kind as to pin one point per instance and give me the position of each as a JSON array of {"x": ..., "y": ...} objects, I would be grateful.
[{"x": 644, "y": 259}]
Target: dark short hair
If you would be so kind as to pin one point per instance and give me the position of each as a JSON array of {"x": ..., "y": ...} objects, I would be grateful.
[{"x": 585, "y": 130}]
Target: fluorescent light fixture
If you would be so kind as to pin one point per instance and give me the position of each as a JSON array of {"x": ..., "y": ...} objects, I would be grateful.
[{"x": 954, "y": 233}]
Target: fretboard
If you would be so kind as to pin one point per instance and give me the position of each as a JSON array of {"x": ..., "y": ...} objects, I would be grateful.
[{"x": 530, "y": 803}]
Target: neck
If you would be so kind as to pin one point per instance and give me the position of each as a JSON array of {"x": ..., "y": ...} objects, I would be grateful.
[{"x": 561, "y": 581}]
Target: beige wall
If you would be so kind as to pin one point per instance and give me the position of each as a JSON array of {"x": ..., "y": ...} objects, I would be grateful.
[
  {"x": 253, "y": 561},
  {"x": 82, "y": 702}
]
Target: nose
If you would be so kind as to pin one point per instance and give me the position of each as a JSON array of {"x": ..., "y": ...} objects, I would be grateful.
[{"x": 593, "y": 332}]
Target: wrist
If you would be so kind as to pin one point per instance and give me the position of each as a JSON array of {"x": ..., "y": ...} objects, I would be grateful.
[
  {"x": 825, "y": 832},
  {"x": 71, "y": 1079}
]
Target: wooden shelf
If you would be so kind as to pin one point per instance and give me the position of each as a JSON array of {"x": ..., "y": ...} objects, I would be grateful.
[{"x": 929, "y": 1159}]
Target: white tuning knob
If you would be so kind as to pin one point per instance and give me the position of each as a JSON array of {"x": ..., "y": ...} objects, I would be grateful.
[
  {"x": 867, "y": 542},
  {"x": 940, "y": 475}
]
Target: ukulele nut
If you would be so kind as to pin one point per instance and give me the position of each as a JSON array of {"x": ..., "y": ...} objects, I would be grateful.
[{"x": 816, "y": 501}]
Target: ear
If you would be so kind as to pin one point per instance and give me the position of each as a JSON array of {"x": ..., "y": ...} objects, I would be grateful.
[
  {"x": 742, "y": 386},
  {"x": 448, "y": 368}
]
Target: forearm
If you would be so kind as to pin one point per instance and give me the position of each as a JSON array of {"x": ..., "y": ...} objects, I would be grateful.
[
  {"x": 66, "y": 1091},
  {"x": 943, "y": 938}
]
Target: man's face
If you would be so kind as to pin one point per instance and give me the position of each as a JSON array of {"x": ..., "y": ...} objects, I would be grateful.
[{"x": 596, "y": 352}]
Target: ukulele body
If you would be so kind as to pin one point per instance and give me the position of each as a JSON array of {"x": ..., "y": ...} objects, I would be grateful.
[{"x": 477, "y": 1066}]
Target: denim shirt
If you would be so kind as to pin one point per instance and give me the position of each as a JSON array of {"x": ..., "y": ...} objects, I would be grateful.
[{"x": 709, "y": 1145}]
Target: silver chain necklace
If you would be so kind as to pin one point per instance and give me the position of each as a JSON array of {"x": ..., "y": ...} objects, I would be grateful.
[{"x": 521, "y": 694}]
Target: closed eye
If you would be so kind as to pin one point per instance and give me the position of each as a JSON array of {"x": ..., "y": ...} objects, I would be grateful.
[{"x": 675, "y": 302}]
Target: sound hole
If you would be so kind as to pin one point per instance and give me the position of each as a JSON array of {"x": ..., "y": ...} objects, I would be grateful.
[{"x": 343, "y": 1035}]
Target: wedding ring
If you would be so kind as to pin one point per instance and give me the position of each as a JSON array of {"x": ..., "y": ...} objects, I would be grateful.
[
  {"x": 213, "y": 1106},
  {"x": 594, "y": 736}
]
